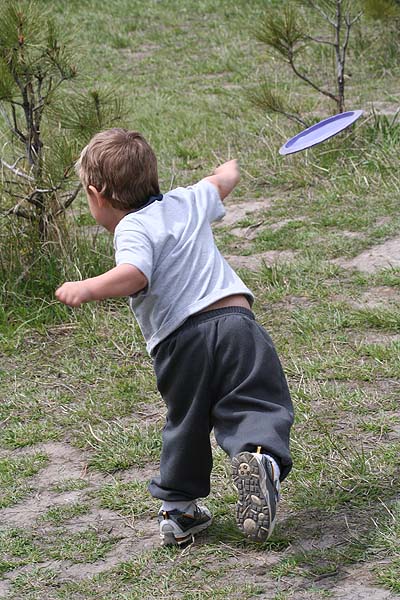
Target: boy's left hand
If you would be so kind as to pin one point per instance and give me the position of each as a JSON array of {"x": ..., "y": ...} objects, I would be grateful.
[{"x": 73, "y": 293}]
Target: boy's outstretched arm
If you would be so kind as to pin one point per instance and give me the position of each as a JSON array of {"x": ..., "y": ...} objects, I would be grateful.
[
  {"x": 225, "y": 177},
  {"x": 123, "y": 280}
]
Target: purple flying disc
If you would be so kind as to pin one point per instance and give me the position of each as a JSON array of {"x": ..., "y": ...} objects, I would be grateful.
[{"x": 320, "y": 132}]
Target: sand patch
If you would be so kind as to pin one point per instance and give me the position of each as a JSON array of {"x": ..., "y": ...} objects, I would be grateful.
[
  {"x": 352, "y": 235},
  {"x": 66, "y": 463},
  {"x": 376, "y": 337},
  {"x": 5, "y": 588},
  {"x": 237, "y": 212},
  {"x": 384, "y": 256},
  {"x": 134, "y": 540},
  {"x": 383, "y": 108},
  {"x": 379, "y": 296},
  {"x": 357, "y": 585},
  {"x": 279, "y": 224},
  {"x": 255, "y": 261},
  {"x": 249, "y": 233},
  {"x": 132, "y": 535},
  {"x": 375, "y": 297}
]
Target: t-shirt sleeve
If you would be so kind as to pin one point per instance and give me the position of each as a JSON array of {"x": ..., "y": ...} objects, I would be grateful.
[
  {"x": 208, "y": 198},
  {"x": 133, "y": 247}
]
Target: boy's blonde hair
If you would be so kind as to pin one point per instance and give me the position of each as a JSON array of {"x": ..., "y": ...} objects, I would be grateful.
[{"x": 121, "y": 165}]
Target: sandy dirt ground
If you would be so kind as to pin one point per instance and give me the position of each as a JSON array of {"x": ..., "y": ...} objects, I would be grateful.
[{"x": 136, "y": 535}]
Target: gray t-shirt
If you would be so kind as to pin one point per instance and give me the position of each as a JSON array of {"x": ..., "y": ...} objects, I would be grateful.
[{"x": 171, "y": 242}]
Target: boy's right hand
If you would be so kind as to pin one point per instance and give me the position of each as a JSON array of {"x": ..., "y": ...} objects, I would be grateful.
[
  {"x": 73, "y": 293},
  {"x": 123, "y": 280}
]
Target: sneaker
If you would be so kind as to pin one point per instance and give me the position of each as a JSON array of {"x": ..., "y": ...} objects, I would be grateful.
[
  {"x": 178, "y": 527},
  {"x": 253, "y": 477}
]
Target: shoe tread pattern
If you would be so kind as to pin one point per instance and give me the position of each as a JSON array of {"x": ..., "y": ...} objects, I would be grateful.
[{"x": 253, "y": 512}]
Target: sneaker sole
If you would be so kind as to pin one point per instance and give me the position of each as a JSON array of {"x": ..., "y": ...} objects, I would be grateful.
[
  {"x": 169, "y": 538},
  {"x": 253, "y": 512}
]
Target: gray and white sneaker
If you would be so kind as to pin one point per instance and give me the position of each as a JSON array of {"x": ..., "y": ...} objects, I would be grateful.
[
  {"x": 258, "y": 489},
  {"x": 178, "y": 527}
]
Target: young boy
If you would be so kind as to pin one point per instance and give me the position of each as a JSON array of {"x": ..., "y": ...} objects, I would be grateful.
[{"x": 216, "y": 368}]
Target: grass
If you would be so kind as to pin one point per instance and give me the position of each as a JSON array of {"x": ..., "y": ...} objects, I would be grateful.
[
  {"x": 18, "y": 549},
  {"x": 15, "y": 477},
  {"x": 129, "y": 499},
  {"x": 59, "y": 514},
  {"x": 81, "y": 382}
]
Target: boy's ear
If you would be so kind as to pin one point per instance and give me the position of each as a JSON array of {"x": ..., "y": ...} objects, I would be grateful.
[{"x": 96, "y": 195}]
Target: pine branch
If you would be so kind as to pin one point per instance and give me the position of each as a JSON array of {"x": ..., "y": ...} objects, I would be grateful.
[
  {"x": 39, "y": 64},
  {"x": 11, "y": 182}
]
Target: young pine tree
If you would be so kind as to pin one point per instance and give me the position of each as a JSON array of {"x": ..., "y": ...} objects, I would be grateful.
[
  {"x": 44, "y": 119},
  {"x": 288, "y": 33}
]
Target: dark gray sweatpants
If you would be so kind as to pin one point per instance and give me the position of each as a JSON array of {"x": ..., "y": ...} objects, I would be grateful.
[{"x": 218, "y": 370}]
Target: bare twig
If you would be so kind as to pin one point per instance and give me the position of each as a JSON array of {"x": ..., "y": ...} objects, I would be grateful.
[
  {"x": 68, "y": 201},
  {"x": 16, "y": 129},
  {"x": 31, "y": 198},
  {"x": 319, "y": 40},
  {"x": 351, "y": 22},
  {"x": 19, "y": 213},
  {"x": 5, "y": 116},
  {"x": 292, "y": 117},
  {"x": 316, "y": 7},
  {"x": 309, "y": 81},
  {"x": 16, "y": 171}
]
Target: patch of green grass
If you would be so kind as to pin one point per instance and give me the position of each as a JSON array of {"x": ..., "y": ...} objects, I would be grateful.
[
  {"x": 285, "y": 568},
  {"x": 120, "y": 447},
  {"x": 314, "y": 565},
  {"x": 15, "y": 474},
  {"x": 390, "y": 277},
  {"x": 33, "y": 584},
  {"x": 389, "y": 576},
  {"x": 386, "y": 543},
  {"x": 17, "y": 548},
  {"x": 378, "y": 318},
  {"x": 379, "y": 426},
  {"x": 58, "y": 514},
  {"x": 80, "y": 547},
  {"x": 69, "y": 485},
  {"x": 191, "y": 576},
  {"x": 130, "y": 499},
  {"x": 20, "y": 435},
  {"x": 335, "y": 472}
]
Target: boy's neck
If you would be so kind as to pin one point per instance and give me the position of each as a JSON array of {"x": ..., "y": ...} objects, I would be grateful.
[{"x": 114, "y": 217}]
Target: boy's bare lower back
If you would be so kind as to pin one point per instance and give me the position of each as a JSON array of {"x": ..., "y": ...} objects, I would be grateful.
[{"x": 235, "y": 300}]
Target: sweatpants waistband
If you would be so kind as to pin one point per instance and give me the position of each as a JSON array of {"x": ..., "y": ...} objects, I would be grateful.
[
  {"x": 207, "y": 315},
  {"x": 202, "y": 317}
]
